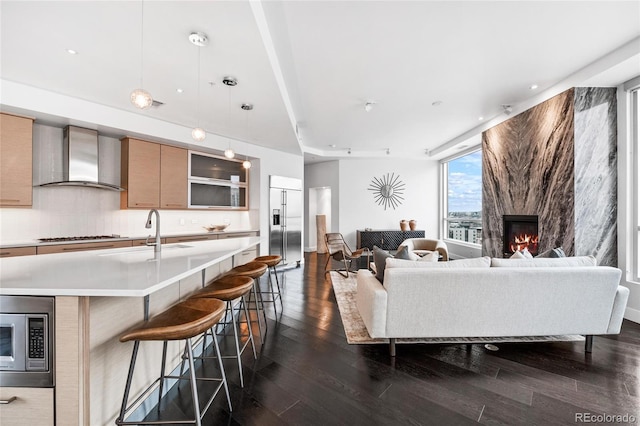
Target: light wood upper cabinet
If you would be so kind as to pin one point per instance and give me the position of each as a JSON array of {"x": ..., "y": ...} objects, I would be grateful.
[
  {"x": 173, "y": 177},
  {"x": 16, "y": 162},
  {"x": 140, "y": 174}
]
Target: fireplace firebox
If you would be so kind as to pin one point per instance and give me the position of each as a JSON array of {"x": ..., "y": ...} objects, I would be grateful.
[{"x": 520, "y": 232}]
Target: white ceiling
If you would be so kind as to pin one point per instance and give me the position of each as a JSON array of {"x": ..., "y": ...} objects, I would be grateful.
[{"x": 316, "y": 63}]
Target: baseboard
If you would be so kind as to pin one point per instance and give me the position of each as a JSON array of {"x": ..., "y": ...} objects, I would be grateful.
[{"x": 632, "y": 315}]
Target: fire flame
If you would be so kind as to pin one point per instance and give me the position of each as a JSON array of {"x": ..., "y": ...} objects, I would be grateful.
[{"x": 522, "y": 241}]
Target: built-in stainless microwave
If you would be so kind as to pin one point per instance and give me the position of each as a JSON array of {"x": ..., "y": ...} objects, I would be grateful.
[{"x": 26, "y": 341}]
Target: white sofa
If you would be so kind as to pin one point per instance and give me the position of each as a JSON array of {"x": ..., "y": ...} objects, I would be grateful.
[{"x": 492, "y": 298}]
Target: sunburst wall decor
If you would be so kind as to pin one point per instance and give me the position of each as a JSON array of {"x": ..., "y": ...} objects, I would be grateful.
[{"x": 387, "y": 190}]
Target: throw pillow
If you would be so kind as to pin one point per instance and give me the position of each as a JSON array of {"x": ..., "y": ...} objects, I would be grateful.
[
  {"x": 434, "y": 256},
  {"x": 379, "y": 258},
  {"x": 476, "y": 262},
  {"x": 517, "y": 255},
  {"x": 406, "y": 254},
  {"x": 556, "y": 252}
]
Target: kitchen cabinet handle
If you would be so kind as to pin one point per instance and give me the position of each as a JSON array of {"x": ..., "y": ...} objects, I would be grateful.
[
  {"x": 181, "y": 240},
  {"x": 145, "y": 204},
  {"x": 87, "y": 247},
  {"x": 173, "y": 205},
  {"x": 5, "y": 253},
  {"x": 8, "y": 200},
  {"x": 8, "y": 401}
]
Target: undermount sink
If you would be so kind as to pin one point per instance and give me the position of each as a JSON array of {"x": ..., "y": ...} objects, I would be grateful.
[{"x": 144, "y": 249}]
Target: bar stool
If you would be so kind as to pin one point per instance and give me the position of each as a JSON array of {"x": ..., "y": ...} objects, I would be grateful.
[
  {"x": 228, "y": 288},
  {"x": 182, "y": 321},
  {"x": 271, "y": 261},
  {"x": 255, "y": 271}
]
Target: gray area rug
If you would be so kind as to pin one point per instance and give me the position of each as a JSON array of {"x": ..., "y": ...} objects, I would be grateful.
[{"x": 357, "y": 334}]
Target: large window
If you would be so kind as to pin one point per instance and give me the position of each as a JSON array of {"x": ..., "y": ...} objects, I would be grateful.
[
  {"x": 462, "y": 198},
  {"x": 635, "y": 190}
]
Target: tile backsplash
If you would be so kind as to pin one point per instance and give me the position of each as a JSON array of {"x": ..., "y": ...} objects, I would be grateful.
[{"x": 76, "y": 211}]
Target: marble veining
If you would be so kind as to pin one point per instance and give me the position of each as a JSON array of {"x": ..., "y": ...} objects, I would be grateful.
[
  {"x": 596, "y": 173},
  {"x": 528, "y": 169},
  {"x": 556, "y": 160}
]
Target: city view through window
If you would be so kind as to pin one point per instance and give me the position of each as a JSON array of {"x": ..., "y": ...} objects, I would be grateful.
[{"x": 464, "y": 198}]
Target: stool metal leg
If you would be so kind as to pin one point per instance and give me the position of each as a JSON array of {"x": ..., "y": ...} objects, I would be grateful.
[
  {"x": 194, "y": 387},
  {"x": 255, "y": 295},
  {"x": 235, "y": 336},
  {"x": 224, "y": 377},
  {"x": 259, "y": 295},
  {"x": 246, "y": 314},
  {"x": 127, "y": 387},
  {"x": 275, "y": 272},
  {"x": 162, "y": 368}
]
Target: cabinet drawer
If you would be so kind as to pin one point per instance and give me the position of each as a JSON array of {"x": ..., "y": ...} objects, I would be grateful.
[
  {"x": 188, "y": 238},
  {"x": 143, "y": 241},
  {"x": 31, "y": 406},
  {"x": 245, "y": 256},
  {"x": 69, "y": 248},
  {"x": 236, "y": 235},
  {"x": 17, "y": 251}
]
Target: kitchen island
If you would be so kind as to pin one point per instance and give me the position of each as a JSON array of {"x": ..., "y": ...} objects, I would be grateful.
[{"x": 99, "y": 295}]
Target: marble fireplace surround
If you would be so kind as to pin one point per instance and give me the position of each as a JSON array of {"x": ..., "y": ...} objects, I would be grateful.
[{"x": 557, "y": 160}]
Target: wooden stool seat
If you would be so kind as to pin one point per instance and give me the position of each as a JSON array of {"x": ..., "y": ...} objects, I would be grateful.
[
  {"x": 271, "y": 260},
  {"x": 251, "y": 269},
  {"x": 182, "y": 321},
  {"x": 226, "y": 288},
  {"x": 229, "y": 288}
]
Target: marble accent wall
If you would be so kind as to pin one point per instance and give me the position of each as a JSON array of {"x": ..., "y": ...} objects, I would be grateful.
[
  {"x": 556, "y": 160},
  {"x": 596, "y": 174}
]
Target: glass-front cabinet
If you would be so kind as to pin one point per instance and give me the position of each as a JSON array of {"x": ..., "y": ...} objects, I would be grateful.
[{"x": 217, "y": 182}]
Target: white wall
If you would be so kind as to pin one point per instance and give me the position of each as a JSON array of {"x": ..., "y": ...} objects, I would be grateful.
[
  {"x": 625, "y": 205},
  {"x": 324, "y": 175},
  {"x": 358, "y": 209}
]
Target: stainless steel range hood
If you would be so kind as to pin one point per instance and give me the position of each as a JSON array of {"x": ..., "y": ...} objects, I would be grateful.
[{"x": 80, "y": 160}]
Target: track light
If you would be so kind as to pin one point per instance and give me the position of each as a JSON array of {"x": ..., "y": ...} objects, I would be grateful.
[
  {"x": 507, "y": 109},
  {"x": 369, "y": 106},
  {"x": 388, "y": 151}
]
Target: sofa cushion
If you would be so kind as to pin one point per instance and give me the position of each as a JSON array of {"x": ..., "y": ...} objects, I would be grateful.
[
  {"x": 476, "y": 262},
  {"x": 544, "y": 262},
  {"x": 406, "y": 254},
  {"x": 556, "y": 252},
  {"x": 379, "y": 258}
]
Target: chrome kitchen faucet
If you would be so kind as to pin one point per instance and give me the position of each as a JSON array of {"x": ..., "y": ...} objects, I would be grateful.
[{"x": 157, "y": 244}]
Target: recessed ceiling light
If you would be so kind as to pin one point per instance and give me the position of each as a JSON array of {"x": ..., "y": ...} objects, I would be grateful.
[
  {"x": 436, "y": 103},
  {"x": 480, "y": 118},
  {"x": 333, "y": 145},
  {"x": 533, "y": 87},
  {"x": 72, "y": 52},
  {"x": 179, "y": 90}
]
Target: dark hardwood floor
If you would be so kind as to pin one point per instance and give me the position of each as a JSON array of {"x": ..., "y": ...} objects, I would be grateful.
[{"x": 307, "y": 374}]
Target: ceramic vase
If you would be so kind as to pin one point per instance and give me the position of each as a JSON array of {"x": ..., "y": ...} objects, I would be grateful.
[
  {"x": 413, "y": 224},
  {"x": 404, "y": 225}
]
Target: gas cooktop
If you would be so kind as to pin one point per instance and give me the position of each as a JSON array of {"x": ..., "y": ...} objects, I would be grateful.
[{"x": 88, "y": 237}]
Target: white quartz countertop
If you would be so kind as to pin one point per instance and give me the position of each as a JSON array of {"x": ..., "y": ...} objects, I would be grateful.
[{"x": 129, "y": 271}]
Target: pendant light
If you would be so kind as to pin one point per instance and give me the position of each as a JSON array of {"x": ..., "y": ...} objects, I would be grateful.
[
  {"x": 246, "y": 107},
  {"x": 229, "y": 82},
  {"x": 200, "y": 40},
  {"x": 140, "y": 97}
]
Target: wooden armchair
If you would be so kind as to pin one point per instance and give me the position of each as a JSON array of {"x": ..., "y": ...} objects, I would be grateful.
[{"x": 339, "y": 251}]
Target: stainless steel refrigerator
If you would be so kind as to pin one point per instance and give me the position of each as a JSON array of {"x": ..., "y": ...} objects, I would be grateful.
[{"x": 285, "y": 224}]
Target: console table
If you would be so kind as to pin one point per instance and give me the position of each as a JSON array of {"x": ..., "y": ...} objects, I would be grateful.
[{"x": 385, "y": 239}]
